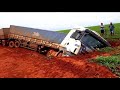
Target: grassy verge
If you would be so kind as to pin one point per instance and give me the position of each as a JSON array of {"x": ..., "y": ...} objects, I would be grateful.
[
  {"x": 112, "y": 62},
  {"x": 107, "y": 32},
  {"x": 64, "y": 31},
  {"x": 106, "y": 49}
]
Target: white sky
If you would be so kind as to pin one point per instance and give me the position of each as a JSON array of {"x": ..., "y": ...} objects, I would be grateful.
[{"x": 57, "y": 20}]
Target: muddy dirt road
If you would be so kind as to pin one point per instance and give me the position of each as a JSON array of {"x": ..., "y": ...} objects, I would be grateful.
[{"x": 23, "y": 63}]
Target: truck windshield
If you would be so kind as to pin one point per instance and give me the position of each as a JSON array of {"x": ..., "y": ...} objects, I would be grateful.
[
  {"x": 76, "y": 35},
  {"x": 92, "y": 42}
]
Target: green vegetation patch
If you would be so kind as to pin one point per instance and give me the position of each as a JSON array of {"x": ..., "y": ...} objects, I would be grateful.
[
  {"x": 112, "y": 62},
  {"x": 64, "y": 31},
  {"x": 106, "y": 49},
  {"x": 107, "y": 31}
]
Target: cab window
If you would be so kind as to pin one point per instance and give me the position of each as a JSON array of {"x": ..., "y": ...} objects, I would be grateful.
[
  {"x": 76, "y": 35},
  {"x": 91, "y": 41}
]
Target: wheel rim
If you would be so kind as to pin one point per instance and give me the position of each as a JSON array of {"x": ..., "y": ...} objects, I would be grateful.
[
  {"x": 17, "y": 44},
  {"x": 11, "y": 44}
]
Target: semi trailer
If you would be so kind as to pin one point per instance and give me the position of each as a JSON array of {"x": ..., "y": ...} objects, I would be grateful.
[{"x": 78, "y": 40}]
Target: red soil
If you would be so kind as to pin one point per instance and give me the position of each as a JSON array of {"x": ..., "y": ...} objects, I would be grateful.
[
  {"x": 115, "y": 43},
  {"x": 23, "y": 63}
]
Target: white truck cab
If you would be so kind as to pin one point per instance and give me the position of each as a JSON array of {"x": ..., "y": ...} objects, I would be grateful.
[
  {"x": 72, "y": 44},
  {"x": 79, "y": 39}
]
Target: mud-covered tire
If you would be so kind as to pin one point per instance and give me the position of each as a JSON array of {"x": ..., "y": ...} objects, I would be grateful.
[
  {"x": 11, "y": 44},
  {"x": 17, "y": 44}
]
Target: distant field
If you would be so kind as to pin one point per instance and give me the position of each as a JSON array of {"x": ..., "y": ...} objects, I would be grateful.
[
  {"x": 64, "y": 31},
  {"x": 107, "y": 33}
]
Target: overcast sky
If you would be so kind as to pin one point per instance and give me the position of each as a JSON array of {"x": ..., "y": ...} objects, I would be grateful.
[{"x": 57, "y": 20}]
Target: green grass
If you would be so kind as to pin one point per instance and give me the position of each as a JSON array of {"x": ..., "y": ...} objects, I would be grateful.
[
  {"x": 112, "y": 62},
  {"x": 106, "y": 49},
  {"x": 107, "y": 33},
  {"x": 115, "y": 50},
  {"x": 64, "y": 31}
]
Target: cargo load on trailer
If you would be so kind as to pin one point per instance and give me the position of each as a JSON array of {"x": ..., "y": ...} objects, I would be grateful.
[{"x": 78, "y": 40}]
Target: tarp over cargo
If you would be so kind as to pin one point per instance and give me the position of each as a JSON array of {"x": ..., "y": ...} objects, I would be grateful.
[
  {"x": 51, "y": 36},
  {"x": 1, "y": 34},
  {"x": 4, "y": 33}
]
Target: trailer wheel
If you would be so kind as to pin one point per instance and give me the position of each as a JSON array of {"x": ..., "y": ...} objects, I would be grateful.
[
  {"x": 3, "y": 42},
  {"x": 17, "y": 44},
  {"x": 11, "y": 44}
]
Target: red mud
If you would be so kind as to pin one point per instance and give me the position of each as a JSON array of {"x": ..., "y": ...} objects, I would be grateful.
[
  {"x": 23, "y": 63},
  {"x": 115, "y": 43}
]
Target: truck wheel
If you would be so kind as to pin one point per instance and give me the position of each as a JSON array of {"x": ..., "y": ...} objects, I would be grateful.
[
  {"x": 3, "y": 42},
  {"x": 11, "y": 44},
  {"x": 17, "y": 44}
]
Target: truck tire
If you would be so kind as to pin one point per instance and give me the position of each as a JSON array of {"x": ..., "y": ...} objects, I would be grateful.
[
  {"x": 17, "y": 44},
  {"x": 3, "y": 42},
  {"x": 11, "y": 44}
]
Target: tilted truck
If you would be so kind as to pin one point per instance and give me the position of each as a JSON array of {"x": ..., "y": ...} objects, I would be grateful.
[{"x": 78, "y": 40}]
